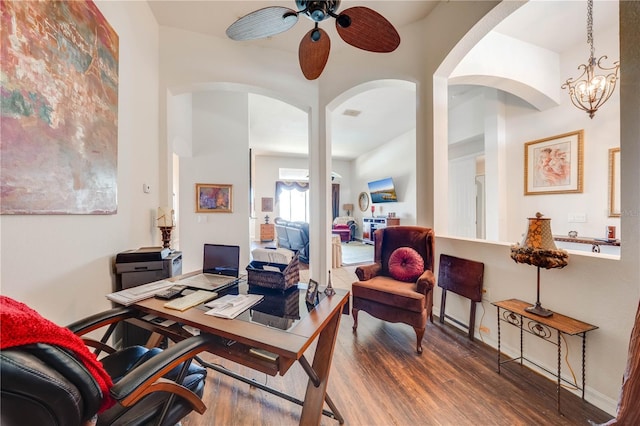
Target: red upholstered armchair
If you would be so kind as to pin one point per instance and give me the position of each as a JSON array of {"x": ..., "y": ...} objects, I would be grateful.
[{"x": 398, "y": 287}]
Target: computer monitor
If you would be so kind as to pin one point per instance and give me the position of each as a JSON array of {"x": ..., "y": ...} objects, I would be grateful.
[{"x": 221, "y": 259}]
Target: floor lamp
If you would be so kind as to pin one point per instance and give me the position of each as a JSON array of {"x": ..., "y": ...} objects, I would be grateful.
[{"x": 538, "y": 249}]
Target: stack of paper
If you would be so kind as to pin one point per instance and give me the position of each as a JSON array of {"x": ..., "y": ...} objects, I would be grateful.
[
  {"x": 230, "y": 306},
  {"x": 141, "y": 292}
]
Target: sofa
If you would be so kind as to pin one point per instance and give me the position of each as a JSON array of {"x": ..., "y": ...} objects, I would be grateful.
[
  {"x": 345, "y": 226},
  {"x": 293, "y": 235}
]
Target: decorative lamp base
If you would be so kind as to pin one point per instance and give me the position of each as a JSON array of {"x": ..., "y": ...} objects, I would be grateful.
[
  {"x": 539, "y": 310},
  {"x": 166, "y": 235}
]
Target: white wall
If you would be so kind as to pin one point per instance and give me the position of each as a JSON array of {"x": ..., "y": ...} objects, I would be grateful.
[
  {"x": 62, "y": 266},
  {"x": 393, "y": 159},
  {"x": 220, "y": 156}
]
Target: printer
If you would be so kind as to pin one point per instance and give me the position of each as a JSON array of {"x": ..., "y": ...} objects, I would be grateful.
[
  {"x": 145, "y": 265},
  {"x": 137, "y": 267}
]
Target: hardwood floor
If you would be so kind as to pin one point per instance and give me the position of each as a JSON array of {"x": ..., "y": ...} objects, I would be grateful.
[{"x": 378, "y": 379}]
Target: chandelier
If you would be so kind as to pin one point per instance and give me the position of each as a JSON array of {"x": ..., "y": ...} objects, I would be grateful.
[{"x": 589, "y": 91}]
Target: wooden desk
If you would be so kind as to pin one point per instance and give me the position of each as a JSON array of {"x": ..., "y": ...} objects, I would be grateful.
[
  {"x": 289, "y": 346},
  {"x": 513, "y": 312}
]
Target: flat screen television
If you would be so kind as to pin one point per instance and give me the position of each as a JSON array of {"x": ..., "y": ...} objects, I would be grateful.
[{"x": 383, "y": 191}]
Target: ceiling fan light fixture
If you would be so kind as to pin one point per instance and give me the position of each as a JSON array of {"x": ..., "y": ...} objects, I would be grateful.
[
  {"x": 359, "y": 26},
  {"x": 315, "y": 35},
  {"x": 316, "y": 10}
]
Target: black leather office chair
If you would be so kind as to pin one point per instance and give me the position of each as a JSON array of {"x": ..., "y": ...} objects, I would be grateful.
[{"x": 44, "y": 384}]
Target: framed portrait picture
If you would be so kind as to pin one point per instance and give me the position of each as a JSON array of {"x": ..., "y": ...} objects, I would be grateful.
[
  {"x": 554, "y": 165},
  {"x": 267, "y": 204},
  {"x": 614, "y": 182},
  {"x": 312, "y": 292},
  {"x": 214, "y": 198}
]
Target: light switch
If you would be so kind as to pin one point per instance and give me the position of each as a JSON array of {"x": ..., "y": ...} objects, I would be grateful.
[{"x": 146, "y": 188}]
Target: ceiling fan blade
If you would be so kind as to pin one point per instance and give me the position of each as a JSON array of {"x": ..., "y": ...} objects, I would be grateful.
[
  {"x": 262, "y": 23},
  {"x": 313, "y": 55},
  {"x": 366, "y": 29}
]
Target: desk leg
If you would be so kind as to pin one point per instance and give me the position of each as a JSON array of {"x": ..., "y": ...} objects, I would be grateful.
[{"x": 316, "y": 395}]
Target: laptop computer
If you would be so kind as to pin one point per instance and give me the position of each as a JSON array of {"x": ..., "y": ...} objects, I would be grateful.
[{"x": 220, "y": 268}]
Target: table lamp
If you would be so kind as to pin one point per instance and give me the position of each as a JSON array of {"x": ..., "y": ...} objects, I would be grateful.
[
  {"x": 348, "y": 208},
  {"x": 166, "y": 222},
  {"x": 538, "y": 249}
]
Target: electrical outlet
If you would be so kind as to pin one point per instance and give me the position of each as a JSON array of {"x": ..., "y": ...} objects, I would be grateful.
[
  {"x": 484, "y": 329},
  {"x": 485, "y": 294}
]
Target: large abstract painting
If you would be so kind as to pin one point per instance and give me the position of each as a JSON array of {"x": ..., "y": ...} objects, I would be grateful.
[{"x": 59, "y": 98}]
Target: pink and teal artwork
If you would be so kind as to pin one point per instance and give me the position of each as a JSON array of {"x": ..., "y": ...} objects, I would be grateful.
[{"x": 59, "y": 109}]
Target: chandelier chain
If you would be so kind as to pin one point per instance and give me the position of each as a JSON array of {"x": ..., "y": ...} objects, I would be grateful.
[{"x": 590, "y": 26}]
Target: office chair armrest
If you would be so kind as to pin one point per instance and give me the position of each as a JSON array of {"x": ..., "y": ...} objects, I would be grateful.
[
  {"x": 147, "y": 377},
  {"x": 426, "y": 282},
  {"x": 101, "y": 319},
  {"x": 97, "y": 321},
  {"x": 366, "y": 272}
]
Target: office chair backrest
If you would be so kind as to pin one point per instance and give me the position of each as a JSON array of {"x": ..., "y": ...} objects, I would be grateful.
[{"x": 46, "y": 385}]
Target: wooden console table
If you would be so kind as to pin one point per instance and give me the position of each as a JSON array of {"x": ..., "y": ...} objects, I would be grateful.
[{"x": 513, "y": 312}]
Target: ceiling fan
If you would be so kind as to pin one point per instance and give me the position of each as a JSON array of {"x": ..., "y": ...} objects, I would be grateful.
[{"x": 359, "y": 26}]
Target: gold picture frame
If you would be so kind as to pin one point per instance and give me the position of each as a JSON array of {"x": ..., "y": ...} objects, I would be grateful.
[
  {"x": 614, "y": 182},
  {"x": 214, "y": 198},
  {"x": 554, "y": 165}
]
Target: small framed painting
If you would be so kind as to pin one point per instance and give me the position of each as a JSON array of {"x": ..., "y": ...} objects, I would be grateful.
[
  {"x": 554, "y": 165},
  {"x": 614, "y": 182},
  {"x": 214, "y": 198},
  {"x": 267, "y": 204},
  {"x": 312, "y": 292}
]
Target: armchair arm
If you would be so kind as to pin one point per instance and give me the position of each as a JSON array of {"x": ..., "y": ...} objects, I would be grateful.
[
  {"x": 426, "y": 282},
  {"x": 366, "y": 272},
  {"x": 147, "y": 378}
]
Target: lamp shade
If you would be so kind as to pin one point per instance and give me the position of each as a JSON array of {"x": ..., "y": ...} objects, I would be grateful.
[
  {"x": 347, "y": 207},
  {"x": 539, "y": 234},
  {"x": 537, "y": 247},
  {"x": 165, "y": 217}
]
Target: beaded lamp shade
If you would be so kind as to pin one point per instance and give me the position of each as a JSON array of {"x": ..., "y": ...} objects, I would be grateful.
[{"x": 539, "y": 249}]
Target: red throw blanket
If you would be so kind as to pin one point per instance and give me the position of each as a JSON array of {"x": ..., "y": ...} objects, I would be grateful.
[{"x": 21, "y": 325}]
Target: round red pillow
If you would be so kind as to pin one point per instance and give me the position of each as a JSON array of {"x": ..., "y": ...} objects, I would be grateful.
[{"x": 405, "y": 264}]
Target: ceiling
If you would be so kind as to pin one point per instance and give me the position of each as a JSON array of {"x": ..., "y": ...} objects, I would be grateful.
[{"x": 276, "y": 127}]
